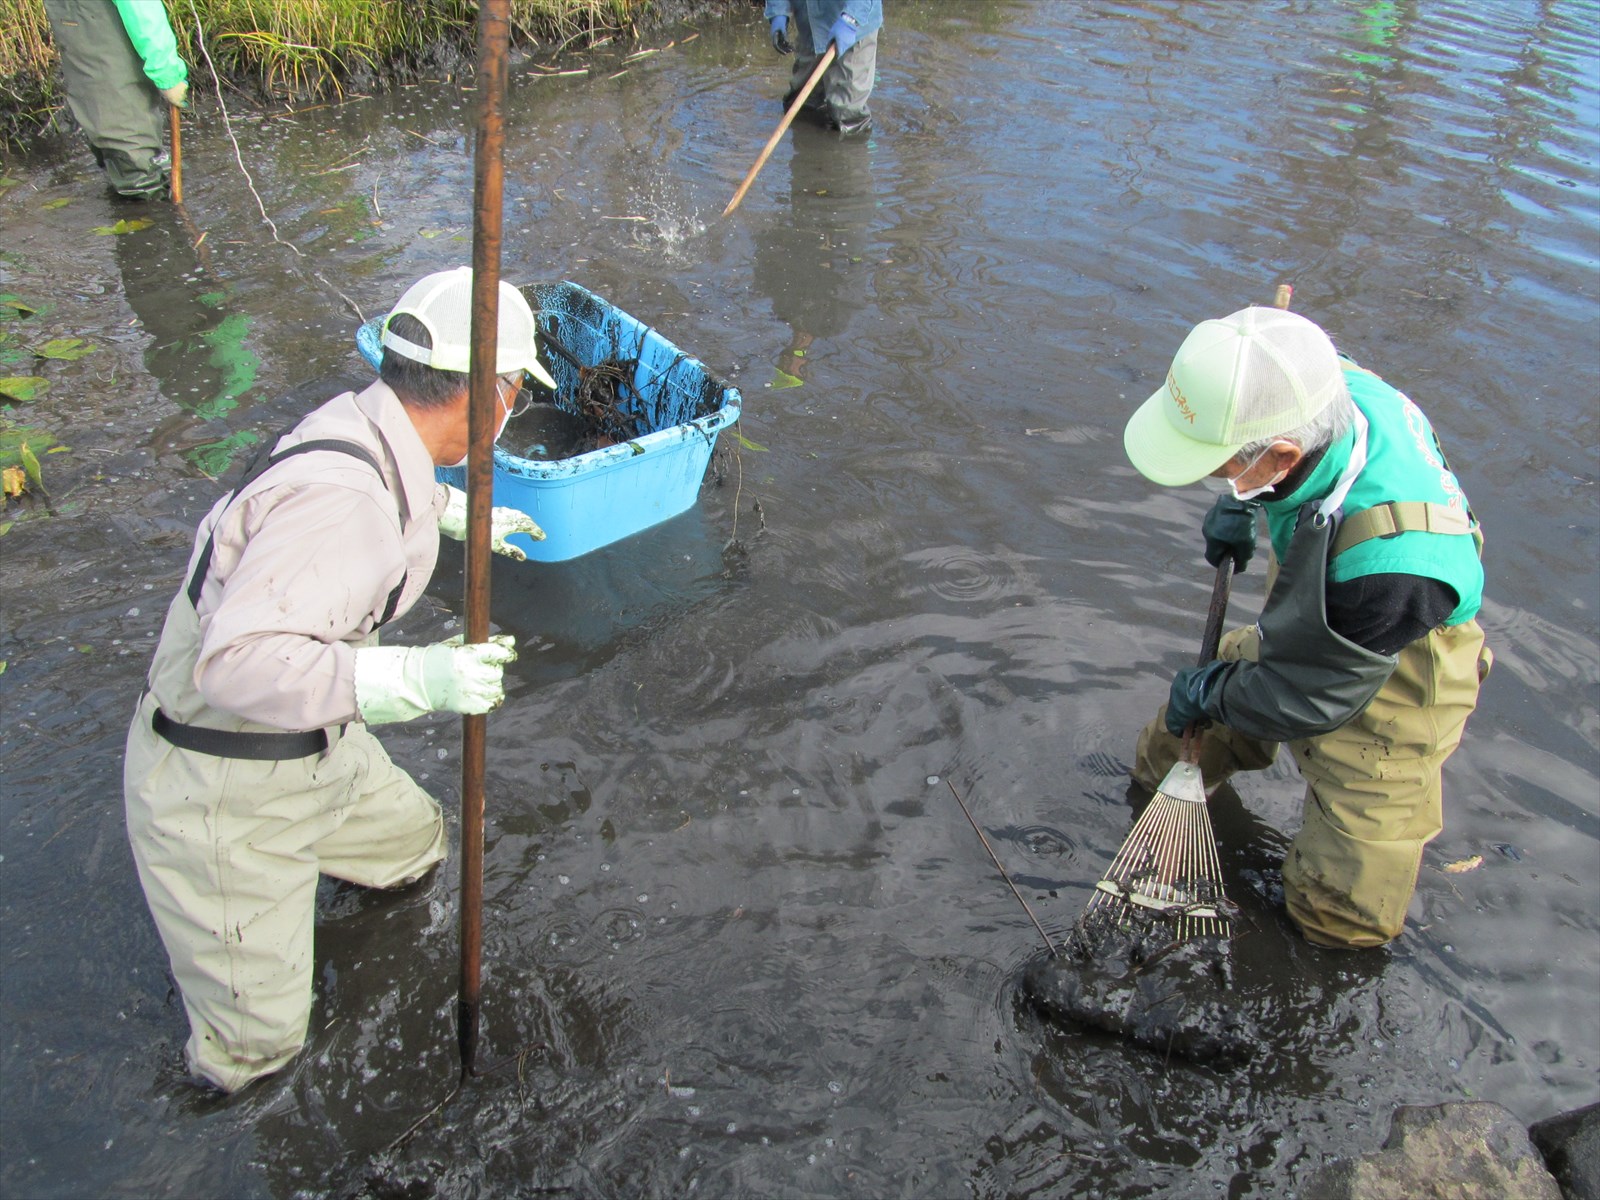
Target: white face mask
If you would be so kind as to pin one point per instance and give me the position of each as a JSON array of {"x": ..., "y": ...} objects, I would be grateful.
[
  {"x": 505, "y": 419},
  {"x": 1252, "y": 493}
]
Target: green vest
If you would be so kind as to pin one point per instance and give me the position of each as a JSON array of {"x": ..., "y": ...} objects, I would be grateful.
[{"x": 1404, "y": 467}]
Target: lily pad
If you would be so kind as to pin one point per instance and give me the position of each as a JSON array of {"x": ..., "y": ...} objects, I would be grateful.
[
  {"x": 64, "y": 349},
  {"x": 13, "y": 437},
  {"x": 124, "y": 226},
  {"x": 23, "y": 387},
  {"x": 60, "y": 202}
]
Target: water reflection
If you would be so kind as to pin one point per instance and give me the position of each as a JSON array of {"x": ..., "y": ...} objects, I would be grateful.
[
  {"x": 810, "y": 258},
  {"x": 199, "y": 347}
]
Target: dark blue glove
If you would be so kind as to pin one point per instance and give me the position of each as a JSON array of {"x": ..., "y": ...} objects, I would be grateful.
[
  {"x": 844, "y": 33},
  {"x": 1190, "y": 689},
  {"x": 1230, "y": 528},
  {"x": 780, "y": 35}
]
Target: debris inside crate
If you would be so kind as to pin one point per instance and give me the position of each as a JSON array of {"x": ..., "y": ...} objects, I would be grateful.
[{"x": 548, "y": 432}]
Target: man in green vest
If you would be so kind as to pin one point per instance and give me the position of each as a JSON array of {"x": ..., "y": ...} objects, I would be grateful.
[
  {"x": 1367, "y": 657},
  {"x": 122, "y": 70}
]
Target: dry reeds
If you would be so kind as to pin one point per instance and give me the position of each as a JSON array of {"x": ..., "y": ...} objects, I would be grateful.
[
  {"x": 29, "y": 91},
  {"x": 298, "y": 48}
]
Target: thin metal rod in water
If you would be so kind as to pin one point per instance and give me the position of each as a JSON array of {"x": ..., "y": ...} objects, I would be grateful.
[
  {"x": 1001, "y": 868},
  {"x": 494, "y": 34}
]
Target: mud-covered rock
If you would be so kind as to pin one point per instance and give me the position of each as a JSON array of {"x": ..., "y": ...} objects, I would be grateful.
[
  {"x": 1170, "y": 997},
  {"x": 1570, "y": 1143},
  {"x": 1465, "y": 1151}
]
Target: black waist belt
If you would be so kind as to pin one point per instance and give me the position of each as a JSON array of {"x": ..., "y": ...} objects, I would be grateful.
[{"x": 234, "y": 743}]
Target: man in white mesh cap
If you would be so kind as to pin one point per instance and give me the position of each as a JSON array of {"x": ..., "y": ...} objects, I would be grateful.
[
  {"x": 1367, "y": 657},
  {"x": 249, "y": 768}
]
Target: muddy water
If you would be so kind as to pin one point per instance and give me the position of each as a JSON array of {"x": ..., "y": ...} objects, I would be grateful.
[{"x": 728, "y": 891}]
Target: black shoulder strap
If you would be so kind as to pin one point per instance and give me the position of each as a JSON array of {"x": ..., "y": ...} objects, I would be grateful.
[{"x": 259, "y": 467}]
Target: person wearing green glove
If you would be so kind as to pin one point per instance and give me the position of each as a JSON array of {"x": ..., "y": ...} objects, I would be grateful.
[
  {"x": 1367, "y": 658},
  {"x": 851, "y": 27},
  {"x": 249, "y": 768},
  {"x": 121, "y": 65}
]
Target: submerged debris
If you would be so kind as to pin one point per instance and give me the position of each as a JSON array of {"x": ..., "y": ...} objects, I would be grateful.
[{"x": 1171, "y": 997}]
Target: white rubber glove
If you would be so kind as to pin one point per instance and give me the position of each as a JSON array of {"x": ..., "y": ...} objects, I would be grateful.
[
  {"x": 397, "y": 683},
  {"x": 177, "y": 95},
  {"x": 503, "y": 522}
]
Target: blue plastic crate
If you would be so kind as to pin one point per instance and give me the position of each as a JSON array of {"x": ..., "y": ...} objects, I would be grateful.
[{"x": 594, "y": 499}]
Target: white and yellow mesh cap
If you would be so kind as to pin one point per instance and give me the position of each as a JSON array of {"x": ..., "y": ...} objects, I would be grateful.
[
  {"x": 1254, "y": 374},
  {"x": 443, "y": 303}
]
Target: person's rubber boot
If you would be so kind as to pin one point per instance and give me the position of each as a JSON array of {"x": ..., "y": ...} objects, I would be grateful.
[{"x": 854, "y": 126}]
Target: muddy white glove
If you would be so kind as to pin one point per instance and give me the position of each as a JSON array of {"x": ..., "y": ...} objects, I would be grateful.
[
  {"x": 397, "y": 683},
  {"x": 177, "y": 95},
  {"x": 503, "y": 522}
]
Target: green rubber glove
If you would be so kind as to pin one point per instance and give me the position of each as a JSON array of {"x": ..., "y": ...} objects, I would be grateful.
[
  {"x": 397, "y": 683},
  {"x": 1230, "y": 528},
  {"x": 1191, "y": 688},
  {"x": 503, "y": 522}
]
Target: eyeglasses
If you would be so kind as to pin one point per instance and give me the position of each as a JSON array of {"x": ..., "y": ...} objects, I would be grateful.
[{"x": 521, "y": 399}]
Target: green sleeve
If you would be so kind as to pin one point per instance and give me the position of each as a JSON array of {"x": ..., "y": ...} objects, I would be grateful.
[{"x": 146, "y": 23}]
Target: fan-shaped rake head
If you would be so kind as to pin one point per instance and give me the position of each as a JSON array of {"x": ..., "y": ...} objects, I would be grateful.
[{"x": 1166, "y": 881}]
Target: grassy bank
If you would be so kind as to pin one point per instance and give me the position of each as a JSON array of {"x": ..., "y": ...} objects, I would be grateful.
[{"x": 293, "y": 49}]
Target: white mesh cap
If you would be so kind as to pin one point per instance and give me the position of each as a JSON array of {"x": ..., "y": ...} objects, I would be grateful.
[
  {"x": 1253, "y": 374},
  {"x": 443, "y": 303}
]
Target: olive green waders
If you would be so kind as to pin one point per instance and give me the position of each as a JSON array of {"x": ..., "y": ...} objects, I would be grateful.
[
  {"x": 229, "y": 851},
  {"x": 1374, "y": 795},
  {"x": 121, "y": 111}
]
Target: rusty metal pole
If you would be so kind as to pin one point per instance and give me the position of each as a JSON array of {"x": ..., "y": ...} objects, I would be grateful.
[{"x": 488, "y": 177}]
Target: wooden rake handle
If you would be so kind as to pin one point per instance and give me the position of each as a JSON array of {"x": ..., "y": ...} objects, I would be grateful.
[
  {"x": 177, "y": 154},
  {"x": 788, "y": 119}
]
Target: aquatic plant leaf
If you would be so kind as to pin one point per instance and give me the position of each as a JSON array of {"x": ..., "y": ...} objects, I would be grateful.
[
  {"x": 749, "y": 445},
  {"x": 64, "y": 349},
  {"x": 12, "y": 307},
  {"x": 1466, "y": 864},
  {"x": 23, "y": 388},
  {"x": 30, "y": 464},
  {"x": 124, "y": 226},
  {"x": 13, "y": 481},
  {"x": 62, "y": 202},
  {"x": 13, "y": 437}
]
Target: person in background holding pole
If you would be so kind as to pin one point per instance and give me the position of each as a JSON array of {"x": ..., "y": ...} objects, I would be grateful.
[
  {"x": 249, "y": 768},
  {"x": 122, "y": 70},
  {"x": 1367, "y": 658},
  {"x": 852, "y": 26}
]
